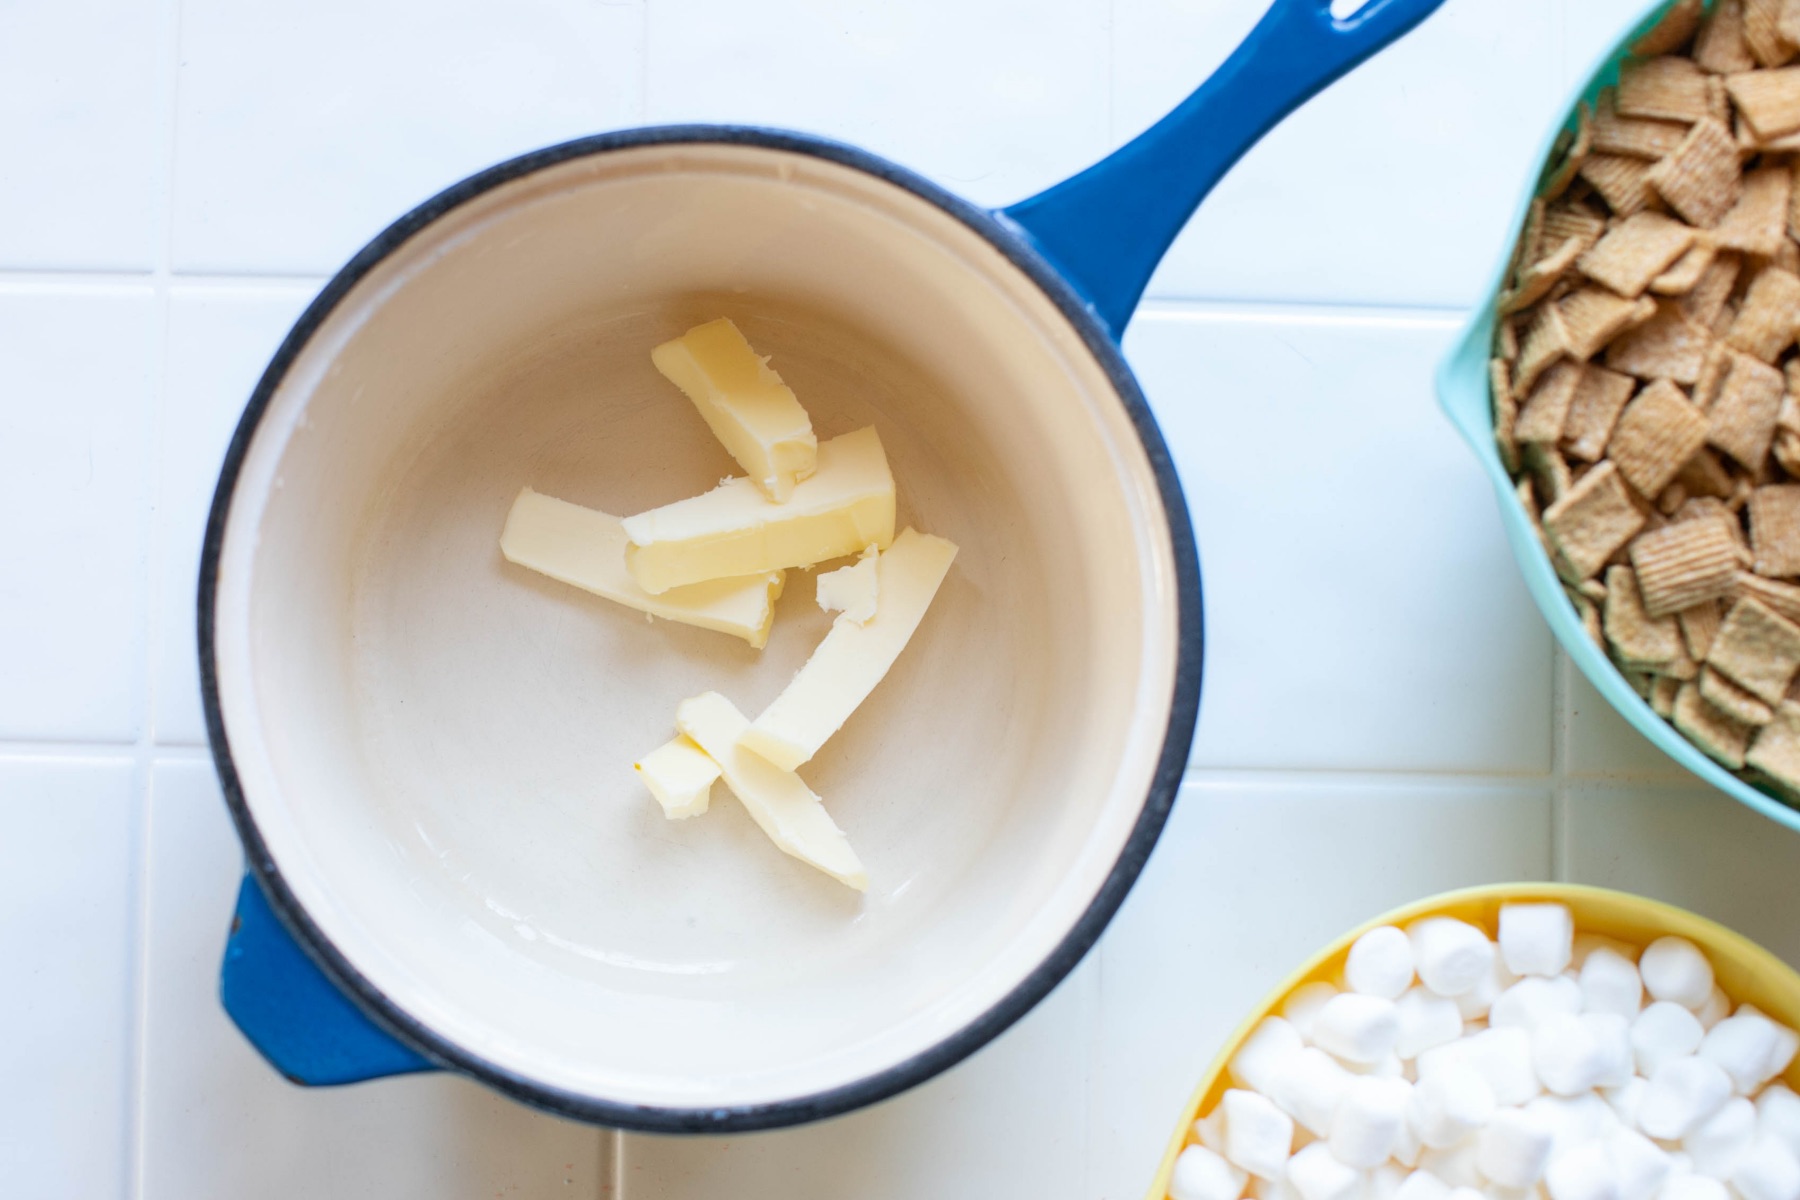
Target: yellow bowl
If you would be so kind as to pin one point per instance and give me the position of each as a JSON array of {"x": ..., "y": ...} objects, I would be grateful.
[{"x": 1746, "y": 971}]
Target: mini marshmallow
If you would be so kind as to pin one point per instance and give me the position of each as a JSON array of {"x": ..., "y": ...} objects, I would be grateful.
[
  {"x": 1202, "y": 1175},
  {"x": 1639, "y": 1165},
  {"x": 1627, "y": 1100},
  {"x": 1718, "y": 1142},
  {"x": 1674, "y": 969},
  {"x": 1384, "y": 1182},
  {"x": 1209, "y": 1130},
  {"x": 1683, "y": 1092},
  {"x": 1309, "y": 1087},
  {"x": 1316, "y": 1175},
  {"x": 1264, "y": 1054},
  {"x": 1575, "y": 1120},
  {"x": 1613, "y": 1033},
  {"x": 1504, "y": 1058},
  {"x": 1532, "y": 999},
  {"x": 1258, "y": 1135},
  {"x": 1536, "y": 939},
  {"x": 1449, "y": 1106},
  {"x": 1778, "y": 1116},
  {"x": 1751, "y": 1048},
  {"x": 1583, "y": 1173},
  {"x": 1570, "y": 1054},
  {"x": 1302, "y": 1006},
  {"x": 1680, "y": 1163},
  {"x": 1387, "y": 1068},
  {"x": 1368, "y": 1121},
  {"x": 1474, "y": 1003},
  {"x": 1467, "y": 1192},
  {"x": 1452, "y": 957},
  {"x": 1514, "y": 1148},
  {"x": 1585, "y": 944},
  {"x": 1610, "y": 983},
  {"x": 1426, "y": 1020},
  {"x": 1380, "y": 963},
  {"x": 1407, "y": 1146},
  {"x": 1357, "y": 1028},
  {"x": 1664, "y": 1030},
  {"x": 1692, "y": 1187},
  {"x": 1716, "y": 1008},
  {"x": 1455, "y": 1165},
  {"x": 1767, "y": 1171},
  {"x": 1422, "y": 1185},
  {"x": 1273, "y": 1189}
]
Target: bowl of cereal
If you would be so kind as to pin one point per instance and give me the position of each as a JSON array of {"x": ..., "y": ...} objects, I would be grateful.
[
  {"x": 1630, "y": 384},
  {"x": 1509, "y": 1040}
]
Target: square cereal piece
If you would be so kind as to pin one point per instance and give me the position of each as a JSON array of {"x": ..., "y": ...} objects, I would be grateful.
[
  {"x": 1733, "y": 700},
  {"x": 1762, "y": 32},
  {"x": 1506, "y": 414},
  {"x": 1699, "y": 625},
  {"x": 1793, "y": 225},
  {"x": 1546, "y": 340},
  {"x": 1590, "y": 619},
  {"x": 1700, "y": 177},
  {"x": 1671, "y": 498},
  {"x": 1684, "y": 564},
  {"x": 1636, "y": 137},
  {"x": 1589, "y": 524},
  {"x": 1547, "y": 469},
  {"x": 1663, "y": 690},
  {"x": 1671, "y": 89},
  {"x": 1541, "y": 419},
  {"x": 1769, "y": 101},
  {"x": 1656, "y": 435},
  {"x": 1766, "y": 320},
  {"x": 1789, "y": 21},
  {"x": 1593, "y": 317},
  {"x": 1685, "y": 272},
  {"x": 1787, "y": 451},
  {"x": 1624, "y": 183},
  {"x": 1667, "y": 346},
  {"x": 1719, "y": 100},
  {"x": 1776, "y": 751},
  {"x": 1574, "y": 219},
  {"x": 1775, "y": 529},
  {"x": 1720, "y": 736},
  {"x": 1639, "y": 641},
  {"x": 1581, "y": 144},
  {"x": 1784, "y": 598},
  {"x": 1705, "y": 475},
  {"x": 1637, "y": 250},
  {"x": 1714, "y": 371},
  {"x": 1671, "y": 33},
  {"x": 1757, "y": 224},
  {"x": 1720, "y": 47},
  {"x": 1758, "y": 649},
  {"x": 1530, "y": 246},
  {"x": 1703, "y": 304},
  {"x": 1535, "y": 280},
  {"x": 1593, "y": 411},
  {"x": 1741, "y": 422}
]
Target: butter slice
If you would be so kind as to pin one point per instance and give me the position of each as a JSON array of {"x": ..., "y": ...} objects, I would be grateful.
[
  {"x": 736, "y": 530},
  {"x": 853, "y": 658},
  {"x": 586, "y": 548},
  {"x": 680, "y": 775},
  {"x": 743, "y": 400},
  {"x": 777, "y": 800},
  {"x": 850, "y": 590}
]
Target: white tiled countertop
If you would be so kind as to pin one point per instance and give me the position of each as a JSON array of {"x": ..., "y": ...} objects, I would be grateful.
[{"x": 1384, "y": 715}]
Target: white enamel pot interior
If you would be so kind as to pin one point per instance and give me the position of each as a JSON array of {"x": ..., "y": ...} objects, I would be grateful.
[{"x": 428, "y": 750}]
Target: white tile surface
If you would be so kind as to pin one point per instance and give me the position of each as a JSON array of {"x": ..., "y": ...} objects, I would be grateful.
[
  {"x": 1008, "y": 1122},
  {"x": 1362, "y": 610},
  {"x": 75, "y": 379},
  {"x": 1235, "y": 897},
  {"x": 84, "y": 107},
  {"x": 1601, "y": 744},
  {"x": 1391, "y": 187},
  {"x": 66, "y": 884},
  {"x": 220, "y": 1125},
  {"x": 304, "y": 129},
  {"x": 219, "y": 341},
  {"x": 994, "y": 102}
]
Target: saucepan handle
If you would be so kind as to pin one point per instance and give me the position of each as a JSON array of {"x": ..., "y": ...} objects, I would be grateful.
[
  {"x": 1107, "y": 227},
  {"x": 292, "y": 1013}
]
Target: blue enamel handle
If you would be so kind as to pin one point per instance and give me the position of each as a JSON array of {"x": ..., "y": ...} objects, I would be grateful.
[
  {"x": 1108, "y": 227},
  {"x": 292, "y": 1013}
]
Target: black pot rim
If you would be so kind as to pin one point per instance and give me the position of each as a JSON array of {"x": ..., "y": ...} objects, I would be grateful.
[{"x": 1165, "y": 783}]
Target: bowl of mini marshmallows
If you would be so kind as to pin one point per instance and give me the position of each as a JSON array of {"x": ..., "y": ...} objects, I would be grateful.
[{"x": 1512, "y": 1042}]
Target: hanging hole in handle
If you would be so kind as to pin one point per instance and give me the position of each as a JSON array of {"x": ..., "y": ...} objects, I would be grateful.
[{"x": 1343, "y": 10}]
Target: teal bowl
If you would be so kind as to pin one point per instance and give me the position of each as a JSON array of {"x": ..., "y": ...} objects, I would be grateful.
[{"x": 1464, "y": 393}]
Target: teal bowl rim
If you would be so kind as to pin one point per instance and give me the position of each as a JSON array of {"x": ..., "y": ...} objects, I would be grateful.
[{"x": 1464, "y": 394}]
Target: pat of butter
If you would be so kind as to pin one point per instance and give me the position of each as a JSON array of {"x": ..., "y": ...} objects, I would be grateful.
[
  {"x": 853, "y": 658},
  {"x": 736, "y": 530},
  {"x": 680, "y": 775},
  {"x": 744, "y": 402},
  {"x": 850, "y": 590},
  {"x": 777, "y": 800},
  {"x": 586, "y": 548}
]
